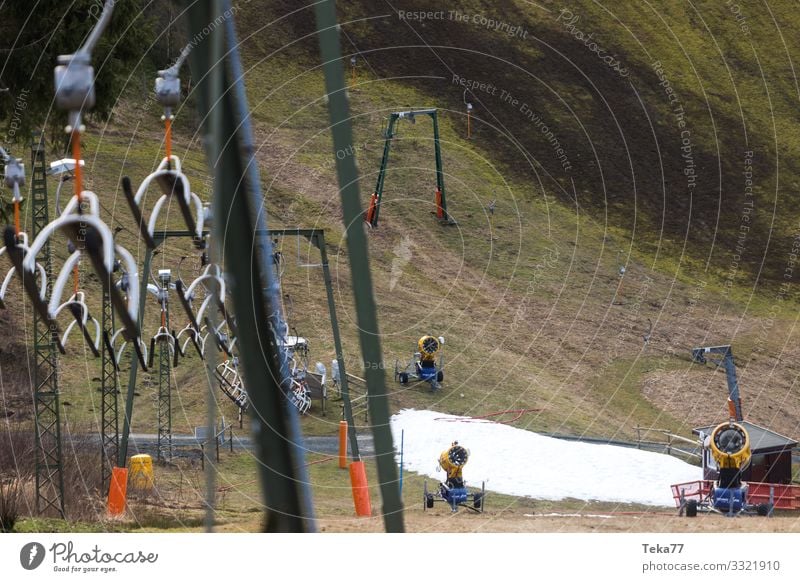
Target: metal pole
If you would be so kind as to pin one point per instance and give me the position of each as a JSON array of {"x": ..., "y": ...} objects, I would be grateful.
[
  {"x": 359, "y": 263},
  {"x": 109, "y": 384},
  {"x": 239, "y": 206},
  {"x": 439, "y": 170},
  {"x": 402, "y": 438},
  {"x": 164, "y": 412},
  {"x": 387, "y": 146},
  {"x": 337, "y": 342},
  {"x": 733, "y": 383},
  {"x": 126, "y": 423},
  {"x": 49, "y": 474}
]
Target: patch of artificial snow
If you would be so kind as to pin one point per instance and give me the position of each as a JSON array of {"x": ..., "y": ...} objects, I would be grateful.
[{"x": 522, "y": 463}]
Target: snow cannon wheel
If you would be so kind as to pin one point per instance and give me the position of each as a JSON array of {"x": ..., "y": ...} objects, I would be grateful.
[
  {"x": 477, "y": 501},
  {"x": 427, "y": 498},
  {"x": 403, "y": 377},
  {"x": 762, "y": 509},
  {"x": 691, "y": 508},
  {"x": 440, "y": 376}
]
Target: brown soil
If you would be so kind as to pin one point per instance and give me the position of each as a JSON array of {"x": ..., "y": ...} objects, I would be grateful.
[{"x": 441, "y": 520}]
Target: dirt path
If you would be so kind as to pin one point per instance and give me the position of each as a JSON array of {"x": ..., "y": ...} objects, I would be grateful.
[{"x": 513, "y": 522}]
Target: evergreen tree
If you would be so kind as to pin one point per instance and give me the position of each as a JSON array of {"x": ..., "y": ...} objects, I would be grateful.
[{"x": 33, "y": 34}]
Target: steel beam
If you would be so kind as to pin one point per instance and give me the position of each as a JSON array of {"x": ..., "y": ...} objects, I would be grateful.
[
  {"x": 49, "y": 461},
  {"x": 369, "y": 333},
  {"x": 238, "y": 216}
]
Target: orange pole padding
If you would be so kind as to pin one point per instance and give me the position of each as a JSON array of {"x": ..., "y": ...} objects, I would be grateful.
[
  {"x": 358, "y": 480},
  {"x": 168, "y": 139},
  {"x": 117, "y": 490},
  {"x": 76, "y": 153},
  {"x": 16, "y": 217},
  {"x": 373, "y": 203},
  {"x": 439, "y": 209},
  {"x": 732, "y": 408},
  {"x": 342, "y": 444}
]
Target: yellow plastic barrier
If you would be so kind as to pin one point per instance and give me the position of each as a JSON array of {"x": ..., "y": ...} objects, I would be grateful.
[{"x": 141, "y": 473}]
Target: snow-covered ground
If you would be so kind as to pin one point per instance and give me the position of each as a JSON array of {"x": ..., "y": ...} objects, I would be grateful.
[{"x": 522, "y": 463}]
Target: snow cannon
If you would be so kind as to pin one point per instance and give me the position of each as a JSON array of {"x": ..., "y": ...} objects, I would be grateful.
[
  {"x": 453, "y": 491},
  {"x": 423, "y": 367},
  {"x": 426, "y": 367},
  {"x": 452, "y": 461},
  {"x": 730, "y": 446},
  {"x": 729, "y": 443},
  {"x": 428, "y": 348}
]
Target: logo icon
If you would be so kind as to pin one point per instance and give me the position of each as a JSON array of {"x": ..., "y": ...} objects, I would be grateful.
[{"x": 31, "y": 555}]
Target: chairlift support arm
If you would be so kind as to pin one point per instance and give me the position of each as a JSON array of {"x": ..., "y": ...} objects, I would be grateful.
[
  {"x": 389, "y": 136},
  {"x": 725, "y": 354}
]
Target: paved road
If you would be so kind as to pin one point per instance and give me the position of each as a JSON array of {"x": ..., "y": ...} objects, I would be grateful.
[{"x": 326, "y": 445}]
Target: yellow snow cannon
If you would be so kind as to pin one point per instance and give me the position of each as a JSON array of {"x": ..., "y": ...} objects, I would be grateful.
[
  {"x": 453, "y": 491},
  {"x": 428, "y": 347},
  {"x": 425, "y": 366},
  {"x": 730, "y": 445}
]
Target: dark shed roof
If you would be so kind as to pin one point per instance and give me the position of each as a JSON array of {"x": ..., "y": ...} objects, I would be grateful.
[{"x": 762, "y": 440}]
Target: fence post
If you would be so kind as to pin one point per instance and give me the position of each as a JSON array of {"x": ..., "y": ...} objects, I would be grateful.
[
  {"x": 202, "y": 456},
  {"x": 230, "y": 438},
  {"x": 771, "y": 501}
]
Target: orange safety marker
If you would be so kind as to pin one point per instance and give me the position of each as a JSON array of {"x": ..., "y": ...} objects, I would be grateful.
[
  {"x": 16, "y": 217},
  {"x": 373, "y": 202},
  {"x": 117, "y": 490},
  {"x": 358, "y": 481},
  {"x": 168, "y": 139},
  {"x": 76, "y": 153},
  {"x": 342, "y": 444},
  {"x": 732, "y": 408}
]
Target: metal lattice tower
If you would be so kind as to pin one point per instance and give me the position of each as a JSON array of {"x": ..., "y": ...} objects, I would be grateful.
[
  {"x": 49, "y": 474},
  {"x": 109, "y": 423},
  {"x": 164, "y": 386}
]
